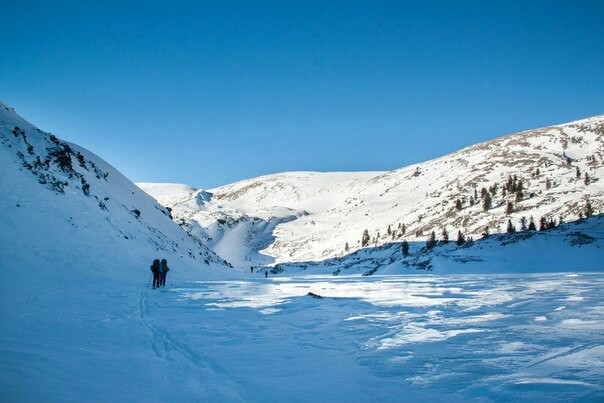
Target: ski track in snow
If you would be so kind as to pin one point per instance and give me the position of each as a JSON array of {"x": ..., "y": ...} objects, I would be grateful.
[
  {"x": 463, "y": 337},
  {"x": 163, "y": 342}
]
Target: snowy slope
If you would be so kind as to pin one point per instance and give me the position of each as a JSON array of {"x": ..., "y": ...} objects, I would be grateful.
[
  {"x": 310, "y": 216},
  {"x": 68, "y": 208},
  {"x": 76, "y": 242},
  {"x": 577, "y": 245}
]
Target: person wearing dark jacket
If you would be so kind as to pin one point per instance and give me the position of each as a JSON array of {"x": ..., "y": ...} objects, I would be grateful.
[
  {"x": 155, "y": 269},
  {"x": 164, "y": 272}
]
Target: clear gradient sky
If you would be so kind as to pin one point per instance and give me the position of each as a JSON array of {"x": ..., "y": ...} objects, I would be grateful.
[{"x": 207, "y": 93}]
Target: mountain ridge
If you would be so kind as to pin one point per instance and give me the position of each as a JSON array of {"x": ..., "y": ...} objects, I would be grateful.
[{"x": 311, "y": 216}]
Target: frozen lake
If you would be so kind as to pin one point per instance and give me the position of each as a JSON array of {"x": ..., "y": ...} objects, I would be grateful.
[{"x": 499, "y": 337}]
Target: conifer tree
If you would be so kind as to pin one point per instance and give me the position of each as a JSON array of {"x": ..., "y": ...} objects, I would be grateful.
[
  {"x": 346, "y": 247},
  {"x": 588, "y": 209},
  {"x": 542, "y": 224},
  {"x": 461, "y": 239},
  {"x": 405, "y": 248},
  {"x": 445, "y": 236},
  {"x": 486, "y": 232},
  {"x": 510, "y": 228},
  {"x": 519, "y": 191},
  {"x": 431, "y": 242},
  {"x": 365, "y": 238},
  {"x": 586, "y": 180},
  {"x": 458, "y": 205},
  {"x": 486, "y": 202},
  {"x": 509, "y": 208},
  {"x": 523, "y": 224},
  {"x": 578, "y": 173},
  {"x": 532, "y": 226},
  {"x": 389, "y": 230}
]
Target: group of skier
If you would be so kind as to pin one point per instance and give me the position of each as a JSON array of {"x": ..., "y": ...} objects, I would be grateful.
[{"x": 160, "y": 270}]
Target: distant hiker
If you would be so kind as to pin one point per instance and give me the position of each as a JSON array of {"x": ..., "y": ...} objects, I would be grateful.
[
  {"x": 164, "y": 272},
  {"x": 155, "y": 269}
]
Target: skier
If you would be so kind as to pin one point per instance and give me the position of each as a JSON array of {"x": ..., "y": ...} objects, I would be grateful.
[
  {"x": 164, "y": 271},
  {"x": 155, "y": 269}
]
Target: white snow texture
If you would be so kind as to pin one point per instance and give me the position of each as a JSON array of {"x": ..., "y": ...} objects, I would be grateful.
[{"x": 79, "y": 322}]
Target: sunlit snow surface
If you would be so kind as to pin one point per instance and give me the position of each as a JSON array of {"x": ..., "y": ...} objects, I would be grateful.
[{"x": 497, "y": 337}]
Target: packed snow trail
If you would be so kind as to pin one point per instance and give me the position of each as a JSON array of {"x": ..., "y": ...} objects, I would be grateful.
[{"x": 459, "y": 337}]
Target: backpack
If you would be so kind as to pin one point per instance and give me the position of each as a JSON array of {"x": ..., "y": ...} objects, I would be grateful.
[
  {"x": 164, "y": 267},
  {"x": 155, "y": 267}
]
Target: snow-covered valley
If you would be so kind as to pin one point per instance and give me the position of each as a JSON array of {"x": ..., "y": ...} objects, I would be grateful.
[{"x": 293, "y": 316}]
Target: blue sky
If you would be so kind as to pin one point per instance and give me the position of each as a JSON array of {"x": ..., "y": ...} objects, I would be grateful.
[{"x": 207, "y": 93}]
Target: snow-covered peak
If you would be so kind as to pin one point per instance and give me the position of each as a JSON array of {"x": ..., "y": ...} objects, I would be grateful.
[
  {"x": 312, "y": 216},
  {"x": 309, "y": 191}
]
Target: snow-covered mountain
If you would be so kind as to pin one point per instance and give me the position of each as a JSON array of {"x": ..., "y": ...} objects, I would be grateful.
[
  {"x": 553, "y": 172},
  {"x": 78, "y": 323},
  {"x": 66, "y": 211}
]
